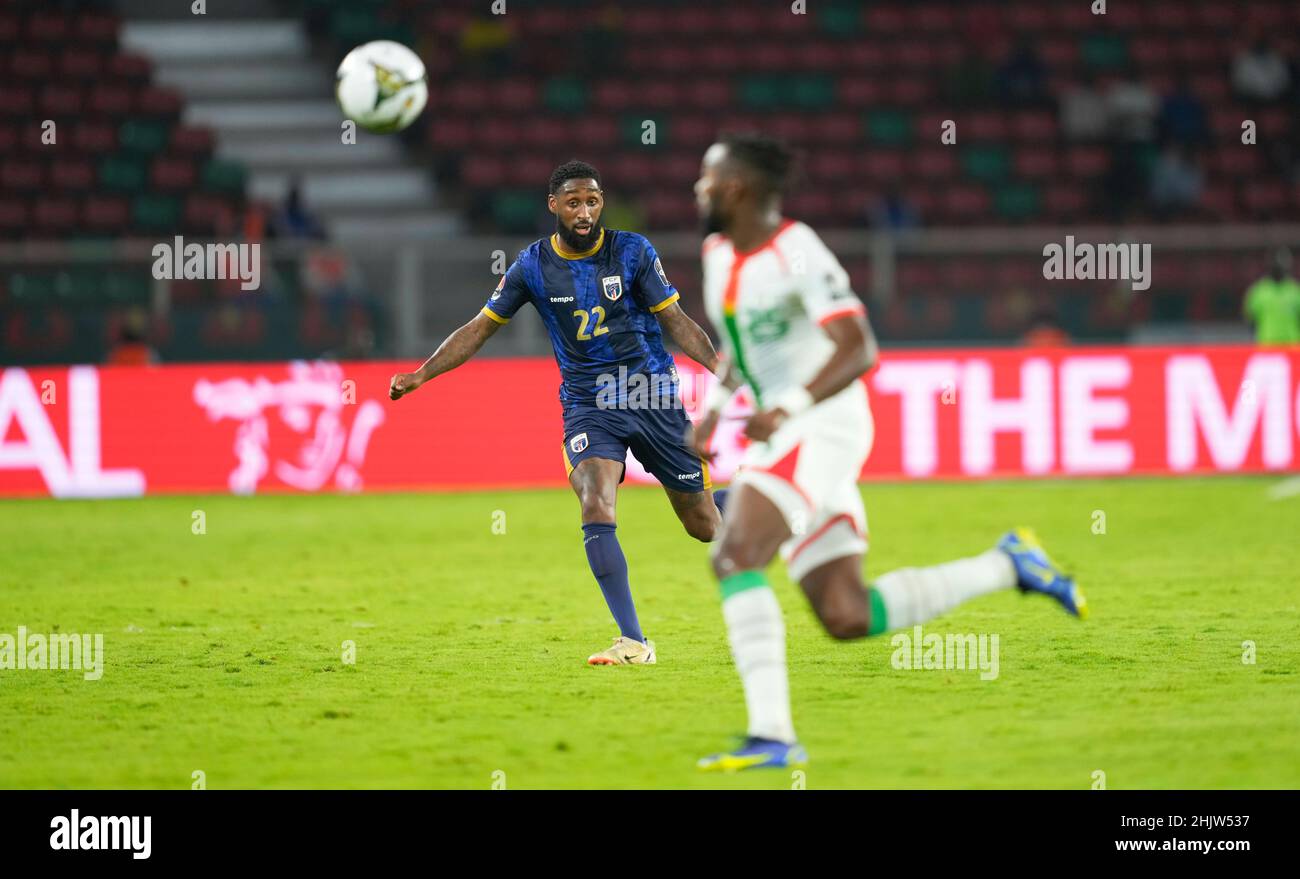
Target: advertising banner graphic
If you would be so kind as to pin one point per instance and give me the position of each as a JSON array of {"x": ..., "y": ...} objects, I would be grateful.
[{"x": 86, "y": 431}]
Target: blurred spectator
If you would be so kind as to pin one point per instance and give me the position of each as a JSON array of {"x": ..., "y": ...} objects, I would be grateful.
[
  {"x": 1045, "y": 331},
  {"x": 132, "y": 346},
  {"x": 1177, "y": 181},
  {"x": 1182, "y": 115},
  {"x": 1084, "y": 112},
  {"x": 1260, "y": 72},
  {"x": 1273, "y": 304},
  {"x": 1131, "y": 106},
  {"x": 293, "y": 220},
  {"x": 1022, "y": 78},
  {"x": 969, "y": 81},
  {"x": 893, "y": 212}
]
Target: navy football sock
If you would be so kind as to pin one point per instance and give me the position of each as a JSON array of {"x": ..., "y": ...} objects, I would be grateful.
[
  {"x": 720, "y": 499},
  {"x": 610, "y": 567}
]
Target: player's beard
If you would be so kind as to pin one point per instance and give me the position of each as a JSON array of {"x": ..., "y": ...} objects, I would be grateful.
[
  {"x": 574, "y": 242},
  {"x": 712, "y": 222}
]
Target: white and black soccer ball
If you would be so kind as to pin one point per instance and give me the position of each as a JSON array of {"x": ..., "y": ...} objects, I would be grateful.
[{"x": 382, "y": 86}]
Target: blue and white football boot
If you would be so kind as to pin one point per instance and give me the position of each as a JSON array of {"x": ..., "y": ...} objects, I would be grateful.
[{"x": 1035, "y": 572}]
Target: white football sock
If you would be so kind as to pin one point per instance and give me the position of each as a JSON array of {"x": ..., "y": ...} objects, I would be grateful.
[
  {"x": 916, "y": 595},
  {"x": 757, "y": 633}
]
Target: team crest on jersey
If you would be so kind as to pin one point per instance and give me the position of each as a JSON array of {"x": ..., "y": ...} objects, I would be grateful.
[
  {"x": 578, "y": 443},
  {"x": 613, "y": 287}
]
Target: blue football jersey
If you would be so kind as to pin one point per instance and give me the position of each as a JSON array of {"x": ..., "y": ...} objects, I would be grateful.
[{"x": 598, "y": 307}]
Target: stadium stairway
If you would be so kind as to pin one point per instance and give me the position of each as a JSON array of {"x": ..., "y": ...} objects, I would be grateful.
[{"x": 285, "y": 123}]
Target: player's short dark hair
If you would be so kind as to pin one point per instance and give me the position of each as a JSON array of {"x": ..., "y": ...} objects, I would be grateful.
[
  {"x": 770, "y": 158},
  {"x": 573, "y": 170}
]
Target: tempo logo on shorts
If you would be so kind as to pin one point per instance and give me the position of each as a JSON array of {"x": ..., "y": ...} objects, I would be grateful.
[{"x": 91, "y": 833}]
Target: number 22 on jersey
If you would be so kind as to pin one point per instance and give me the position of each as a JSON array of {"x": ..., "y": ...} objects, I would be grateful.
[{"x": 600, "y": 328}]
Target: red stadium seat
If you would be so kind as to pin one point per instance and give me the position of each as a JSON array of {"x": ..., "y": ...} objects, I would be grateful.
[
  {"x": 94, "y": 136},
  {"x": 1236, "y": 160},
  {"x": 984, "y": 125},
  {"x": 832, "y": 166},
  {"x": 865, "y": 55},
  {"x": 706, "y": 94},
  {"x": 17, "y": 100},
  {"x": 1087, "y": 161},
  {"x": 72, "y": 173},
  {"x": 110, "y": 100},
  {"x": 54, "y": 215},
  {"x": 156, "y": 101},
  {"x": 47, "y": 27},
  {"x": 60, "y": 100},
  {"x": 21, "y": 175},
  {"x": 172, "y": 173},
  {"x": 106, "y": 214},
  {"x": 1267, "y": 198},
  {"x": 1036, "y": 163},
  {"x": 451, "y": 133},
  {"x": 80, "y": 63},
  {"x": 860, "y": 91},
  {"x": 206, "y": 213},
  {"x": 1065, "y": 200},
  {"x": 93, "y": 28},
  {"x": 482, "y": 171},
  {"x": 192, "y": 141},
  {"x": 130, "y": 68},
  {"x": 742, "y": 20},
  {"x": 31, "y": 62},
  {"x": 885, "y": 21},
  {"x": 515, "y": 95},
  {"x": 1219, "y": 202},
  {"x": 1034, "y": 125},
  {"x": 935, "y": 164},
  {"x": 966, "y": 202},
  {"x": 882, "y": 165},
  {"x": 836, "y": 128}
]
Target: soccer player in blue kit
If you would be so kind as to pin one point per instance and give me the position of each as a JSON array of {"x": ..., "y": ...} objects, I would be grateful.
[{"x": 606, "y": 302}]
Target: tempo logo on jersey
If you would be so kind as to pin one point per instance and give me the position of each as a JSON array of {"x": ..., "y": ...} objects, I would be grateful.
[
  {"x": 613, "y": 287},
  {"x": 578, "y": 443},
  {"x": 91, "y": 833}
]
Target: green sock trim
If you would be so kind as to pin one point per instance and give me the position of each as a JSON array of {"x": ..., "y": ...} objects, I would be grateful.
[
  {"x": 741, "y": 582},
  {"x": 879, "y": 619}
]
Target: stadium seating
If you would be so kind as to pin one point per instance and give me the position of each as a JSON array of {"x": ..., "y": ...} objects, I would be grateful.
[
  {"x": 860, "y": 88},
  {"x": 121, "y": 159}
]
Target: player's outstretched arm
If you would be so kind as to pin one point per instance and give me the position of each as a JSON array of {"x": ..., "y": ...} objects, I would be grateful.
[
  {"x": 701, "y": 435},
  {"x": 454, "y": 350},
  {"x": 688, "y": 336}
]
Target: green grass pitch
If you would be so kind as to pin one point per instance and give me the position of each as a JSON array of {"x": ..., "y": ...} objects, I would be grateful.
[{"x": 223, "y": 651}]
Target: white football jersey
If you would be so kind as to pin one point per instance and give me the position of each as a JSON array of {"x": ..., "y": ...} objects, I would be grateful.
[{"x": 771, "y": 303}]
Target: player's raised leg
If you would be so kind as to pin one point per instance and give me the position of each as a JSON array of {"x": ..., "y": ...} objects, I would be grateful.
[
  {"x": 753, "y": 532},
  {"x": 907, "y": 597},
  {"x": 660, "y": 440},
  {"x": 698, "y": 513},
  {"x": 595, "y": 482}
]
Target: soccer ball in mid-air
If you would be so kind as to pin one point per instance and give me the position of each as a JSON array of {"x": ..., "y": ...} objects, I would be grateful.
[{"x": 382, "y": 86}]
